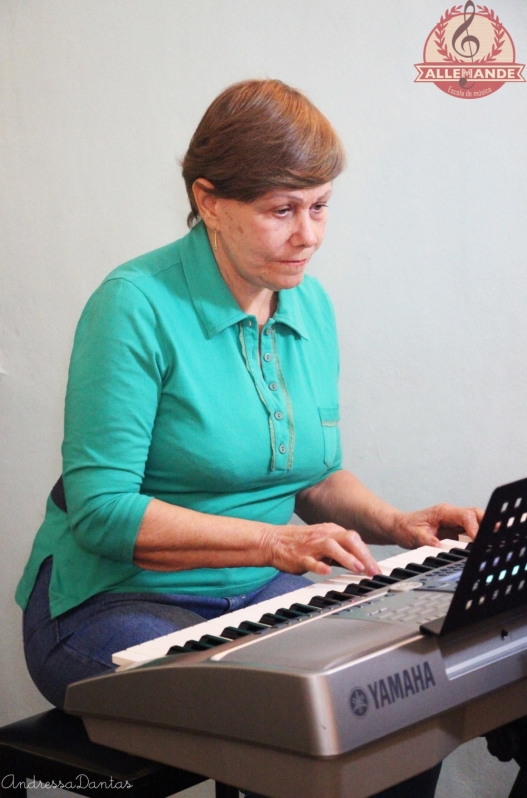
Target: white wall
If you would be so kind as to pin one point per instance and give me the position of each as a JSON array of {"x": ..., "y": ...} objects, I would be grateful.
[{"x": 424, "y": 255}]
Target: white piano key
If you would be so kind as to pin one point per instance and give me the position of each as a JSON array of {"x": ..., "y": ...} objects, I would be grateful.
[{"x": 158, "y": 647}]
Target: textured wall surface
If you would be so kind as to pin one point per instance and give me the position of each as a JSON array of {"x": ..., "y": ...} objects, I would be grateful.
[{"x": 424, "y": 257}]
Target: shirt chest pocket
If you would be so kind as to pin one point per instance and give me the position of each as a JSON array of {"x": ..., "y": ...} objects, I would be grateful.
[{"x": 329, "y": 418}]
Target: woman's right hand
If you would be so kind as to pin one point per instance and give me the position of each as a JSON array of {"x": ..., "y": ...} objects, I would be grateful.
[
  {"x": 173, "y": 538},
  {"x": 297, "y": 549}
]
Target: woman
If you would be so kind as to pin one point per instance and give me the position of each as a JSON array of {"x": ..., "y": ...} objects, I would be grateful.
[{"x": 202, "y": 409}]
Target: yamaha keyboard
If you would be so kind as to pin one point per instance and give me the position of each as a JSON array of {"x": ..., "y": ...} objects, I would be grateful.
[
  {"x": 318, "y": 593},
  {"x": 317, "y": 696}
]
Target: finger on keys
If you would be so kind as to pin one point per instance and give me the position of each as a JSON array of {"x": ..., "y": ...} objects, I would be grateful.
[
  {"x": 459, "y": 520},
  {"x": 355, "y": 556}
]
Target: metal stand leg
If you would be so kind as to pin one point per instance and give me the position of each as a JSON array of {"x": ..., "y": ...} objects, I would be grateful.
[
  {"x": 519, "y": 789},
  {"x": 510, "y": 742},
  {"x": 226, "y": 791}
]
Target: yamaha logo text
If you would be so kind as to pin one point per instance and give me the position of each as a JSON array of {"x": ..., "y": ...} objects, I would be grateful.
[{"x": 396, "y": 687}]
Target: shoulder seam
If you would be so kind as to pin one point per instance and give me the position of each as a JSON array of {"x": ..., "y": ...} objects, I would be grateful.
[
  {"x": 133, "y": 280},
  {"x": 145, "y": 297}
]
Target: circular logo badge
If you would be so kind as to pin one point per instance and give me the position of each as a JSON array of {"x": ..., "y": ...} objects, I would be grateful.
[
  {"x": 469, "y": 54},
  {"x": 359, "y": 702}
]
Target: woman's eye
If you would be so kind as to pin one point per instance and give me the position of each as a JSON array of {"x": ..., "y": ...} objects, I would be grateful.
[
  {"x": 319, "y": 206},
  {"x": 282, "y": 211}
]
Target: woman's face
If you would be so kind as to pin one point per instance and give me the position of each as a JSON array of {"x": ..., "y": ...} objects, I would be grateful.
[{"x": 267, "y": 243}]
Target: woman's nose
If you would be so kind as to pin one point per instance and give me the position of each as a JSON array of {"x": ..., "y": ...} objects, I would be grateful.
[{"x": 304, "y": 234}]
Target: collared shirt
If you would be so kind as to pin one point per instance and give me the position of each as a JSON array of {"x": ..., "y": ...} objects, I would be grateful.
[{"x": 168, "y": 397}]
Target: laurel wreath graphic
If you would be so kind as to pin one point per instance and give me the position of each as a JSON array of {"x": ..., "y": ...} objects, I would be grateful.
[{"x": 483, "y": 11}]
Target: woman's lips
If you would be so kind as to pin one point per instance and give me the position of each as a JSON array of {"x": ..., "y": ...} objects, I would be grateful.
[{"x": 295, "y": 262}]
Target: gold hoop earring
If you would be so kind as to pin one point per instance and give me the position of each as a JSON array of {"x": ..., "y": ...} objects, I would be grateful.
[{"x": 215, "y": 241}]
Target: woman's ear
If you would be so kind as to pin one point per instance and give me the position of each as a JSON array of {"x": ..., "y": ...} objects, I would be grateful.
[{"x": 206, "y": 201}]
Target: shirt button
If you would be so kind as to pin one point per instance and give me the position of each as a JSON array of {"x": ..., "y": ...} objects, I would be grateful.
[
  {"x": 267, "y": 357},
  {"x": 278, "y": 415},
  {"x": 268, "y": 330},
  {"x": 249, "y": 323},
  {"x": 273, "y": 386},
  {"x": 282, "y": 448}
]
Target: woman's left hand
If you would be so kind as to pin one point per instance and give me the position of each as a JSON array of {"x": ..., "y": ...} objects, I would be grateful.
[{"x": 428, "y": 527}]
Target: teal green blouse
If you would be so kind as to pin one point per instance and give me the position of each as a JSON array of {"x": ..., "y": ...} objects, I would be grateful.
[{"x": 167, "y": 398}]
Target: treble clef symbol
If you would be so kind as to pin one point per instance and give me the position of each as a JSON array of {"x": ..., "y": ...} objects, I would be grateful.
[{"x": 468, "y": 39}]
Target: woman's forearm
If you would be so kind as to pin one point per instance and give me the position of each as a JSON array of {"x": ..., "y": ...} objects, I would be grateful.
[
  {"x": 342, "y": 499},
  {"x": 339, "y": 512},
  {"x": 173, "y": 538}
]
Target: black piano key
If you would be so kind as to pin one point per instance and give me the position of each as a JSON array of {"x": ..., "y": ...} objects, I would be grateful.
[
  {"x": 355, "y": 589},
  {"x": 468, "y": 547},
  {"x": 435, "y": 561},
  {"x": 253, "y": 626},
  {"x": 233, "y": 633},
  {"x": 448, "y": 556},
  {"x": 366, "y": 586},
  {"x": 178, "y": 650},
  {"x": 462, "y": 552},
  {"x": 366, "y": 583},
  {"x": 404, "y": 573},
  {"x": 272, "y": 620},
  {"x": 372, "y": 583},
  {"x": 214, "y": 640},
  {"x": 305, "y": 609},
  {"x": 337, "y": 595},
  {"x": 419, "y": 568},
  {"x": 382, "y": 579},
  {"x": 197, "y": 645},
  {"x": 288, "y": 613},
  {"x": 323, "y": 602}
]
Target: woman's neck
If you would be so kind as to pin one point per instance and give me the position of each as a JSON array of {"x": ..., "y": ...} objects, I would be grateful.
[
  {"x": 254, "y": 300},
  {"x": 262, "y": 305}
]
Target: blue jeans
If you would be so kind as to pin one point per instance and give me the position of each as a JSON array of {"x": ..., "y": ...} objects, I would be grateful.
[{"x": 80, "y": 643}]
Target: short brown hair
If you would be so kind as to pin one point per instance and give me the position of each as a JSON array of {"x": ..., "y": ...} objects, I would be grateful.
[{"x": 260, "y": 135}]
